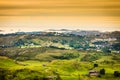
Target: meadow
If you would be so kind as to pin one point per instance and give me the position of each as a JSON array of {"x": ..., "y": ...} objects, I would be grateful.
[
  {"x": 55, "y": 64},
  {"x": 48, "y": 56}
]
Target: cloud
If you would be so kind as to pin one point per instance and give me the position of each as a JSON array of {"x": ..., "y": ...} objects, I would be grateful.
[
  {"x": 61, "y": 12},
  {"x": 58, "y": 7}
]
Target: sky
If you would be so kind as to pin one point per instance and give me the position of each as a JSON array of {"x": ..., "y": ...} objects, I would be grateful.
[{"x": 39, "y": 15}]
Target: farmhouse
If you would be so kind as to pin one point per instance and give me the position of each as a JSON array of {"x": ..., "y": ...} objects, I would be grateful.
[{"x": 93, "y": 73}]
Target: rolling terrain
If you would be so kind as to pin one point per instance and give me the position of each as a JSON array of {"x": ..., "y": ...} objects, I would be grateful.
[{"x": 63, "y": 56}]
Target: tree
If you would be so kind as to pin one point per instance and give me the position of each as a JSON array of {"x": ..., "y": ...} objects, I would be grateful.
[
  {"x": 102, "y": 71},
  {"x": 116, "y": 46},
  {"x": 19, "y": 42},
  {"x": 95, "y": 65},
  {"x": 58, "y": 77},
  {"x": 116, "y": 74},
  {"x": 106, "y": 50}
]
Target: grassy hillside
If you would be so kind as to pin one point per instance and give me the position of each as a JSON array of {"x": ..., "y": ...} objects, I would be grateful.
[
  {"x": 62, "y": 69},
  {"x": 37, "y": 40},
  {"x": 49, "y": 56},
  {"x": 44, "y": 63},
  {"x": 42, "y": 54}
]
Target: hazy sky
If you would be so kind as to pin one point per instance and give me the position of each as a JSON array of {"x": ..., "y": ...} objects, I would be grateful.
[{"x": 37, "y": 15}]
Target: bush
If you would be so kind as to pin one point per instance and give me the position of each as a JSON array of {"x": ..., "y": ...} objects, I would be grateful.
[
  {"x": 102, "y": 71},
  {"x": 91, "y": 57},
  {"x": 116, "y": 74},
  {"x": 95, "y": 65},
  {"x": 22, "y": 74}
]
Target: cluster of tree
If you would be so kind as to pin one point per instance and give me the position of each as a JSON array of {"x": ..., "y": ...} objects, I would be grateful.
[
  {"x": 102, "y": 71},
  {"x": 67, "y": 56},
  {"x": 56, "y": 47},
  {"x": 22, "y": 53},
  {"x": 25, "y": 74},
  {"x": 100, "y": 42},
  {"x": 106, "y": 50},
  {"x": 91, "y": 57},
  {"x": 116, "y": 46},
  {"x": 74, "y": 41},
  {"x": 22, "y": 74}
]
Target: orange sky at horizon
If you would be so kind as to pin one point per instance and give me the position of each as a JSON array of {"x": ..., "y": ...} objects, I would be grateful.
[{"x": 37, "y": 15}]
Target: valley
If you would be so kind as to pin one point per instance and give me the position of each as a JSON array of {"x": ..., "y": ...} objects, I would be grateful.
[{"x": 49, "y": 56}]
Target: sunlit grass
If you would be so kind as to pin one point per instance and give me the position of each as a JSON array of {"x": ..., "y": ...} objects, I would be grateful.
[{"x": 67, "y": 69}]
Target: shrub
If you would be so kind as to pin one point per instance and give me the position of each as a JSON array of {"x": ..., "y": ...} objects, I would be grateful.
[
  {"x": 102, "y": 71},
  {"x": 95, "y": 65},
  {"x": 116, "y": 74}
]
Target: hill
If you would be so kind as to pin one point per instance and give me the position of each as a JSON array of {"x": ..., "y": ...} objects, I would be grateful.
[{"x": 59, "y": 56}]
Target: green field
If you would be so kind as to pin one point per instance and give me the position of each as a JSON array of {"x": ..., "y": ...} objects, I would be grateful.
[{"x": 50, "y": 66}]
